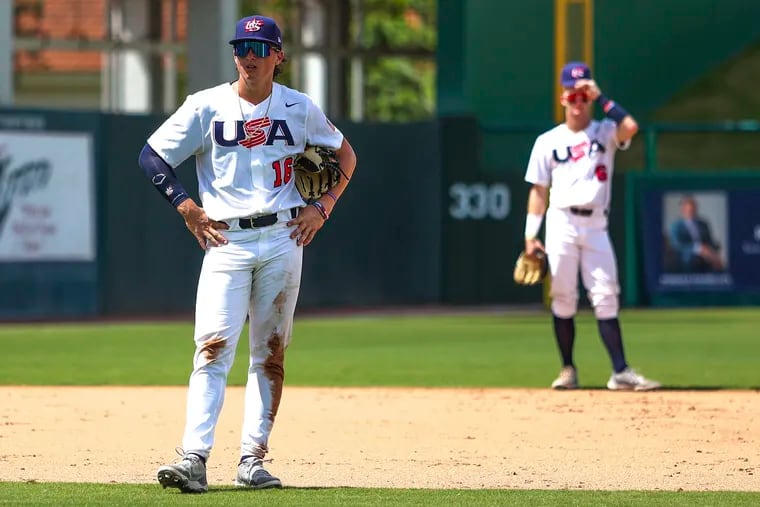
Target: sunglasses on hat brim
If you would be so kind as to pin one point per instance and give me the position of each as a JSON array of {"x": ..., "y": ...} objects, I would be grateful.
[{"x": 259, "y": 48}]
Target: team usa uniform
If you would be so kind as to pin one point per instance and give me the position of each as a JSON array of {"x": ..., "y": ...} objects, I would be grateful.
[
  {"x": 570, "y": 169},
  {"x": 253, "y": 225}
]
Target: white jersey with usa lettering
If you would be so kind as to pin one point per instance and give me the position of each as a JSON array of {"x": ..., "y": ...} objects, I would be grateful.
[
  {"x": 244, "y": 151},
  {"x": 576, "y": 166}
]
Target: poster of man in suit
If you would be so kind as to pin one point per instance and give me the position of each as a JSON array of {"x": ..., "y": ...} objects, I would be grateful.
[{"x": 695, "y": 232}]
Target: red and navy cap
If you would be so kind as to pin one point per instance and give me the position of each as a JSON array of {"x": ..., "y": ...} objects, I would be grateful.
[
  {"x": 572, "y": 72},
  {"x": 259, "y": 28}
]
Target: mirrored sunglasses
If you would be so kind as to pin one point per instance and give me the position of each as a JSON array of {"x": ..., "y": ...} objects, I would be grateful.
[
  {"x": 260, "y": 49},
  {"x": 572, "y": 98}
]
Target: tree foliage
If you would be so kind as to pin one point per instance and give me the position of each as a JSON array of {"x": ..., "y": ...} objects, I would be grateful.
[
  {"x": 399, "y": 88},
  {"x": 399, "y": 24}
]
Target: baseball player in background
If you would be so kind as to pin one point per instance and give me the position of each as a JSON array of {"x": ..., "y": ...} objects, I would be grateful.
[
  {"x": 253, "y": 225},
  {"x": 575, "y": 160}
]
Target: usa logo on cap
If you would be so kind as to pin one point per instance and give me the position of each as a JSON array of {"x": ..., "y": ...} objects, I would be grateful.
[
  {"x": 572, "y": 72},
  {"x": 254, "y": 25},
  {"x": 577, "y": 72},
  {"x": 259, "y": 28}
]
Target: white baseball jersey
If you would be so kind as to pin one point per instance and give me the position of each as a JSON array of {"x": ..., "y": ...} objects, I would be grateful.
[
  {"x": 577, "y": 166},
  {"x": 244, "y": 151}
]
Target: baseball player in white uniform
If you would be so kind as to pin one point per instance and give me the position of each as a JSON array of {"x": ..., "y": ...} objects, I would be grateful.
[
  {"x": 575, "y": 160},
  {"x": 253, "y": 225}
]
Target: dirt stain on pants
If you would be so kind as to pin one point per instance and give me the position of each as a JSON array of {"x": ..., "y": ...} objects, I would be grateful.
[
  {"x": 210, "y": 348},
  {"x": 275, "y": 371}
]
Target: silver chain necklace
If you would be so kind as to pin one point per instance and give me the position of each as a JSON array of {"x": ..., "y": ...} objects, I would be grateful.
[{"x": 240, "y": 104}]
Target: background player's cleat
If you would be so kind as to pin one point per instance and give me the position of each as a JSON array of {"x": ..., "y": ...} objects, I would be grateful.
[
  {"x": 568, "y": 379},
  {"x": 629, "y": 380},
  {"x": 189, "y": 475},
  {"x": 251, "y": 474}
]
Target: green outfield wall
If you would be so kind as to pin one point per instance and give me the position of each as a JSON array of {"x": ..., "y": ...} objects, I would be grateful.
[
  {"x": 425, "y": 221},
  {"x": 422, "y": 223},
  {"x": 496, "y": 58}
]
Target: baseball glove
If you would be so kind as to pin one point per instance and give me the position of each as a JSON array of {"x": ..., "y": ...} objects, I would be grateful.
[
  {"x": 531, "y": 269},
  {"x": 316, "y": 171}
]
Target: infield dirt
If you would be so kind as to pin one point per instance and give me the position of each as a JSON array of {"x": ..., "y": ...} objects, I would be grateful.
[{"x": 400, "y": 438}]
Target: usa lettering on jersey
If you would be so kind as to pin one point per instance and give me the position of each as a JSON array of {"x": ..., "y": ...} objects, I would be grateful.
[
  {"x": 578, "y": 151},
  {"x": 254, "y": 132}
]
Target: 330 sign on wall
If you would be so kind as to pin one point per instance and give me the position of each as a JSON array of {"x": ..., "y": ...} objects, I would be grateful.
[{"x": 479, "y": 201}]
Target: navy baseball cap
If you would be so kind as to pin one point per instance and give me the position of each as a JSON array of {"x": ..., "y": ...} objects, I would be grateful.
[
  {"x": 572, "y": 72},
  {"x": 259, "y": 28}
]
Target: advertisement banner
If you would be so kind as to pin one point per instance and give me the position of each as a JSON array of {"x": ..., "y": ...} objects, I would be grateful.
[
  {"x": 701, "y": 240},
  {"x": 46, "y": 196},
  {"x": 744, "y": 234}
]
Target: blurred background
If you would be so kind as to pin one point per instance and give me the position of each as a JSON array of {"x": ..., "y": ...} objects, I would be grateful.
[{"x": 442, "y": 100}]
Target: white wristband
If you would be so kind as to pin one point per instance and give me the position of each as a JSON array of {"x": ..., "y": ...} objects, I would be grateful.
[{"x": 532, "y": 225}]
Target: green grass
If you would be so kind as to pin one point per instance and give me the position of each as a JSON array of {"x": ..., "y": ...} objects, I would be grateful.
[
  {"x": 697, "y": 348},
  {"x": 134, "y": 495}
]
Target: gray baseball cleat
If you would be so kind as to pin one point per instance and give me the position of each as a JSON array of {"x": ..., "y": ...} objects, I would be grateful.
[
  {"x": 189, "y": 475},
  {"x": 567, "y": 379},
  {"x": 251, "y": 474},
  {"x": 629, "y": 380}
]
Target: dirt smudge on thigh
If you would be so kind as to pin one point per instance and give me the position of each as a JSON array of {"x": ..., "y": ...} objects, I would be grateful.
[
  {"x": 279, "y": 302},
  {"x": 274, "y": 369},
  {"x": 210, "y": 348}
]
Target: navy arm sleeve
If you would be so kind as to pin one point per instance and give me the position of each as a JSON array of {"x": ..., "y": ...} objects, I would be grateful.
[{"x": 162, "y": 176}]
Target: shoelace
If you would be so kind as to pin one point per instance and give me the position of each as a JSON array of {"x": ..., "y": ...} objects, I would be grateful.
[
  {"x": 183, "y": 455},
  {"x": 259, "y": 461}
]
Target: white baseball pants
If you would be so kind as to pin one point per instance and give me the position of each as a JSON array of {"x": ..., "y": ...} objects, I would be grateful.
[
  {"x": 576, "y": 243},
  {"x": 257, "y": 274}
]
